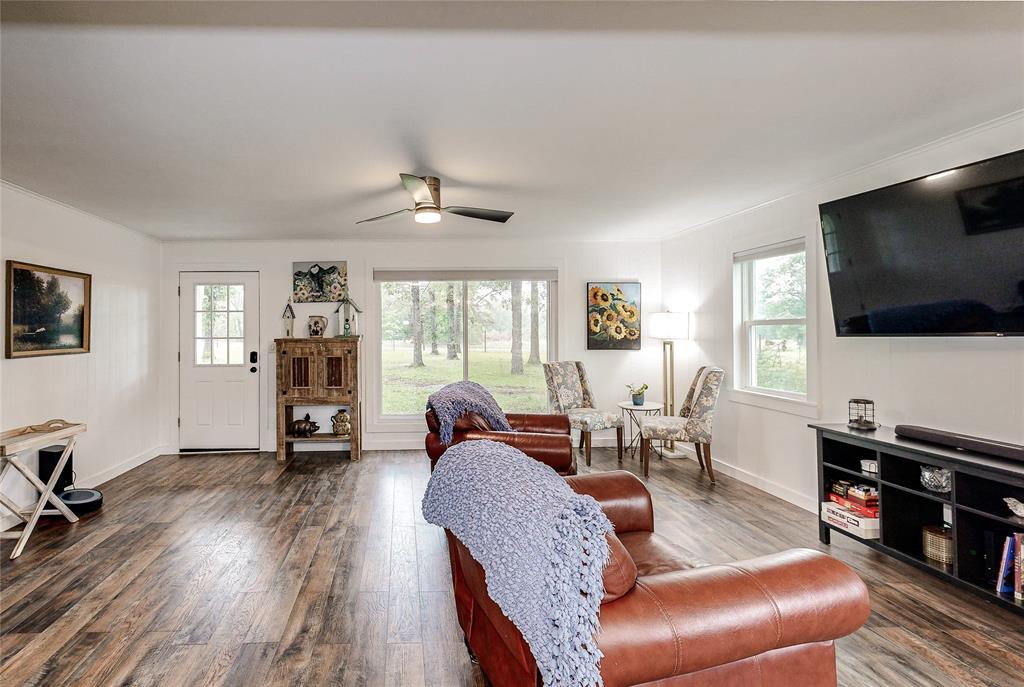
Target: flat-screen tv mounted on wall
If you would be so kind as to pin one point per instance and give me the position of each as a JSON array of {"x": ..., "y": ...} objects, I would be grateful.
[{"x": 942, "y": 255}]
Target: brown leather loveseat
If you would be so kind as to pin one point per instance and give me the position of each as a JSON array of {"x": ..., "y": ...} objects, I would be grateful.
[
  {"x": 669, "y": 622},
  {"x": 545, "y": 438}
]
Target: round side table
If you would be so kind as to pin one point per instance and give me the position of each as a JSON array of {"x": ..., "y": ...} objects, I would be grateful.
[{"x": 633, "y": 412}]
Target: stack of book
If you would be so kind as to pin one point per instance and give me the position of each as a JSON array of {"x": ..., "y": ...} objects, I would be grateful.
[
  {"x": 1009, "y": 579},
  {"x": 852, "y": 508}
]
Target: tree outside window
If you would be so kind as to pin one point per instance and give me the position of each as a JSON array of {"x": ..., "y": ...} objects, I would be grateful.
[
  {"x": 775, "y": 321},
  {"x": 424, "y": 347}
]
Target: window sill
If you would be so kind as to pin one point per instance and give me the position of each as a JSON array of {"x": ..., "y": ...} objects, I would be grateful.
[
  {"x": 397, "y": 424},
  {"x": 781, "y": 404}
]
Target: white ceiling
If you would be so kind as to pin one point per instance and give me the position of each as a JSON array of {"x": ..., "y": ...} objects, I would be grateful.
[{"x": 233, "y": 120}]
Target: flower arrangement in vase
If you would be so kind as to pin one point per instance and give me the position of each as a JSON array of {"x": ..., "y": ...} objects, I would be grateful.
[
  {"x": 613, "y": 316},
  {"x": 637, "y": 392}
]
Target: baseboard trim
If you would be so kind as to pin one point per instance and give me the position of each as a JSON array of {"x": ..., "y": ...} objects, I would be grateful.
[
  {"x": 747, "y": 477},
  {"x": 92, "y": 481},
  {"x": 382, "y": 442}
]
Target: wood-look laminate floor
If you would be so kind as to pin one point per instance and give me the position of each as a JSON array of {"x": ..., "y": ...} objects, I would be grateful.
[{"x": 229, "y": 569}]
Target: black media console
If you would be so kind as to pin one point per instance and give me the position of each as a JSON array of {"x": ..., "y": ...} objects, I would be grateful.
[{"x": 980, "y": 519}]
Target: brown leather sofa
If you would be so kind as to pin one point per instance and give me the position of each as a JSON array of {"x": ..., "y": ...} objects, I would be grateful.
[
  {"x": 545, "y": 438},
  {"x": 667, "y": 621}
]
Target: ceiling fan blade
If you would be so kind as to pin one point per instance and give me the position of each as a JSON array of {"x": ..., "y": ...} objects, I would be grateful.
[
  {"x": 479, "y": 213},
  {"x": 419, "y": 189},
  {"x": 390, "y": 214}
]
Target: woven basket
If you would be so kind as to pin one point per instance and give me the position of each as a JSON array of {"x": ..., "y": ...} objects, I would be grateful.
[{"x": 937, "y": 543}]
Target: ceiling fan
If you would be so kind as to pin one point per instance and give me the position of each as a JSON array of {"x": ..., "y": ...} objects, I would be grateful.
[{"x": 426, "y": 193}]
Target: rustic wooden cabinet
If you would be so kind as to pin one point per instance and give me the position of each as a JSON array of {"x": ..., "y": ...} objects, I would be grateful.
[{"x": 318, "y": 372}]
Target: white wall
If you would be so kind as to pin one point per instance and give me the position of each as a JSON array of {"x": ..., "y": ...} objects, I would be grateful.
[
  {"x": 114, "y": 387},
  {"x": 577, "y": 263},
  {"x": 970, "y": 385}
]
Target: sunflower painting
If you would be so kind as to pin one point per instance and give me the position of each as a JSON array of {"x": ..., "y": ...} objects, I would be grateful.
[{"x": 613, "y": 316}]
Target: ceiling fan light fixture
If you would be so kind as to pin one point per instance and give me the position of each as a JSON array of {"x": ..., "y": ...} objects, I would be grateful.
[
  {"x": 428, "y": 215},
  {"x": 426, "y": 194}
]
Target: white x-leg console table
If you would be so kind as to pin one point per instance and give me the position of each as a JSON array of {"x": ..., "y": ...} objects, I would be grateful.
[{"x": 16, "y": 441}]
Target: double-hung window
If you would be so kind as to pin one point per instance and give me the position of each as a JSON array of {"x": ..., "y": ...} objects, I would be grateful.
[
  {"x": 495, "y": 327},
  {"x": 772, "y": 337}
]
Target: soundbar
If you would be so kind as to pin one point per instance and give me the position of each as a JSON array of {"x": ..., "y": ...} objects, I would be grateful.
[{"x": 962, "y": 441}]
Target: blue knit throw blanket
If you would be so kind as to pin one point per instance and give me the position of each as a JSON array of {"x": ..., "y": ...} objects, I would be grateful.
[
  {"x": 541, "y": 545},
  {"x": 453, "y": 400}
]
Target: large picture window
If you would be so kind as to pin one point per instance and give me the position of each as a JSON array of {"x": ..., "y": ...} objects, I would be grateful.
[
  {"x": 493, "y": 328},
  {"x": 773, "y": 306}
]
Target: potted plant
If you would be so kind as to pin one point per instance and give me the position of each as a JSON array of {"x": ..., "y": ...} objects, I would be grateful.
[{"x": 637, "y": 392}]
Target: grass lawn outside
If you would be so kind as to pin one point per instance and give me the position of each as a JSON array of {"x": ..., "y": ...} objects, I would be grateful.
[
  {"x": 406, "y": 388},
  {"x": 783, "y": 371}
]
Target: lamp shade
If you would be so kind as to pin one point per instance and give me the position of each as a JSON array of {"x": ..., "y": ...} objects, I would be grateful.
[{"x": 669, "y": 325}]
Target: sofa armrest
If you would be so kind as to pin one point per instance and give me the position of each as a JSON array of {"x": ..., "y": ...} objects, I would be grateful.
[
  {"x": 554, "y": 450},
  {"x": 538, "y": 423},
  {"x": 623, "y": 498},
  {"x": 681, "y": 622}
]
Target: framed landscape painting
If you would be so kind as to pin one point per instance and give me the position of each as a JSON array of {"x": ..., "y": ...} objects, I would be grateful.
[
  {"x": 47, "y": 311},
  {"x": 613, "y": 316}
]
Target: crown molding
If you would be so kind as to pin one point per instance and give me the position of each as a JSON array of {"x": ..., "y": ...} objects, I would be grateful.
[{"x": 39, "y": 196}]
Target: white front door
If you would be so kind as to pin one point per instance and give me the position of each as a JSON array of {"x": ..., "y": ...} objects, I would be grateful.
[{"x": 219, "y": 360}]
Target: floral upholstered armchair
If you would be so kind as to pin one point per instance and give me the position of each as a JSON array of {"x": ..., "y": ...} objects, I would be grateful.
[
  {"x": 693, "y": 425},
  {"x": 569, "y": 394}
]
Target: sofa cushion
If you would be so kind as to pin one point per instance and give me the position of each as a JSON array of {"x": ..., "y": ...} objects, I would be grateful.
[
  {"x": 619, "y": 572},
  {"x": 653, "y": 554}
]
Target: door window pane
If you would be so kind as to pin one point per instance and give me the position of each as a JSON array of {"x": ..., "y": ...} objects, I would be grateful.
[
  {"x": 219, "y": 296},
  {"x": 235, "y": 324},
  {"x": 220, "y": 324},
  {"x": 218, "y": 316},
  {"x": 203, "y": 298},
  {"x": 236, "y": 297},
  {"x": 204, "y": 324},
  {"x": 220, "y": 351},
  {"x": 204, "y": 352},
  {"x": 236, "y": 351}
]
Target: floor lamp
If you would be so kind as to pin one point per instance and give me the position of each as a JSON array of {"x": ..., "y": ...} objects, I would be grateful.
[{"x": 669, "y": 327}]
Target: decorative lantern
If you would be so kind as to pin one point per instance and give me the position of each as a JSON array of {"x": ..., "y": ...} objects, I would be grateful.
[
  {"x": 862, "y": 414},
  {"x": 289, "y": 318}
]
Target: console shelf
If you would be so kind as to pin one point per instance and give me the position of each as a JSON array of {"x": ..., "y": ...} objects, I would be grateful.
[
  {"x": 318, "y": 372},
  {"x": 974, "y": 508},
  {"x": 860, "y": 474}
]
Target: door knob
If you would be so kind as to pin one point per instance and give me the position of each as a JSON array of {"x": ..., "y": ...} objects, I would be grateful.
[
  {"x": 252, "y": 369},
  {"x": 253, "y": 357}
]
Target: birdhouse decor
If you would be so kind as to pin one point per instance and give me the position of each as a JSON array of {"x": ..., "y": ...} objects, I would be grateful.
[
  {"x": 346, "y": 312},
  {"x": 862, "y": 414},
  {"x": 288, "y": 316}
]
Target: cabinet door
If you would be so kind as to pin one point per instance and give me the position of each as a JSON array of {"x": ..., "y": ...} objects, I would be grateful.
[
  {"x": 337, "y": 378},
  {"x": 299, "y": 373}
]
